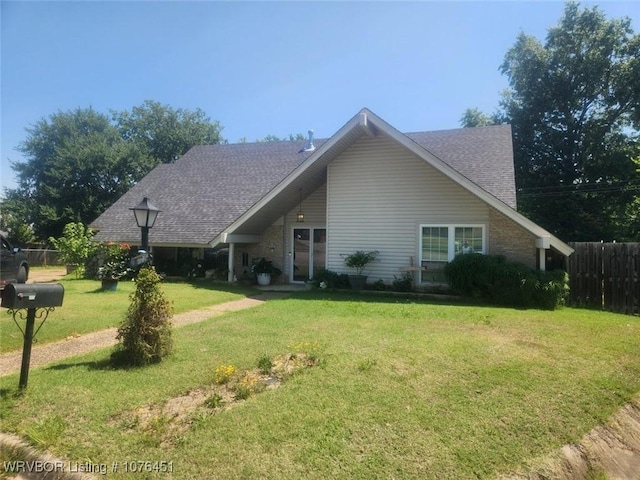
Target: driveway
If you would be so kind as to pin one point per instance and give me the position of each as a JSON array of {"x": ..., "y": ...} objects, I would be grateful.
[{"x": 42, "y": 275}]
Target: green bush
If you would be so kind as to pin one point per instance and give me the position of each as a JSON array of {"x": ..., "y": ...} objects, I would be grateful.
[
  {"x": 360, "y": 259},
  {"x": 145, "y": 334},
  {"x": 404, "y": 283},
  {"x": 324, "y": 278},
  {"x": 75, "y": 246},
  {"x": 495, "y": 279},
  {"x": 553, "y": 289},
  {"x": 378, "y": 286}
]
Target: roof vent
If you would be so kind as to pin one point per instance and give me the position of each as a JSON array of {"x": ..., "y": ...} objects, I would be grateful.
[{"x": 310, "y": 147}]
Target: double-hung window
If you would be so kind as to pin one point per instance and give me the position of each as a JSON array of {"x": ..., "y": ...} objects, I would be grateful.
[{"x": 439, "y": 244}]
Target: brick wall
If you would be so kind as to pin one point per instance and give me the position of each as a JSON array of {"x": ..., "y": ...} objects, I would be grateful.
[
  {"x": 511, "y": 240},
  {"x": 270, "y": 247}
]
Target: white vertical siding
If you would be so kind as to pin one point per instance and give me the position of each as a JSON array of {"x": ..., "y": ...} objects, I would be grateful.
[
  {"x": 378, "y": 194},
  {"x": 314, "y": 208}
]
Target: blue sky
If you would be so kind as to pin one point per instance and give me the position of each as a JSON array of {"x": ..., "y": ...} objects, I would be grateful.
[{"x": 262, "y": 68}]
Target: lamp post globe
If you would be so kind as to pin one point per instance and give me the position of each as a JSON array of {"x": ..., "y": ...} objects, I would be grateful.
[{"x": 146, "y": 214}]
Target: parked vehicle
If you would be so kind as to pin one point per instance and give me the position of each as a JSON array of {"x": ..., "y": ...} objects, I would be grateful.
[{"x": 14, "y": 267}]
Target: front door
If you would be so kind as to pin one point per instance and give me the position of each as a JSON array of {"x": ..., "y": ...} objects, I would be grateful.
[{"x": 309, "y": 252}]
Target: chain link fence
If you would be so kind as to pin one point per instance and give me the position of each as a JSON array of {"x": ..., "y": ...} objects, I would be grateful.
[{"x": 41, "y": 257}]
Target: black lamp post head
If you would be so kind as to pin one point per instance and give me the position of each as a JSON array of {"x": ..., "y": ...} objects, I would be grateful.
[{"x": 145, "y": 213}]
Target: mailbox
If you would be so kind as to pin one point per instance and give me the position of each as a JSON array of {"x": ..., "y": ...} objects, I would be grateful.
[{"x": 33, "y": 295}]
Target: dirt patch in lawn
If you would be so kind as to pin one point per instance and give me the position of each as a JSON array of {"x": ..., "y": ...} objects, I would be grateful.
[{"x": 164, "y": 424}]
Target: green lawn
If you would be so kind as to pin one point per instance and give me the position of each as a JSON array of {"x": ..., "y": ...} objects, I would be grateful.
[
  {"x": 86, "y": 308},
  {"x": 404, "y": 389}
]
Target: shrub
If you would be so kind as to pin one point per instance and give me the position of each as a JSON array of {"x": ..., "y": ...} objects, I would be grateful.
[
  {"x": 495, "y": 279},
  {"x": 115, "y": 258},
  {"x": 378, "y": 285},
  {"x": 324, "y": 278},
  {"x": 75, "y": 245},
  {"x": 404, "y": 283},
  {"x": 145, "y": 334},
  {"x": 553, "y": 289},
  {"x": 360, "y": 259}
]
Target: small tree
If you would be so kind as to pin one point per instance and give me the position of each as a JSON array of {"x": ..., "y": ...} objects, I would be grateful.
[
  {"x": 359, "y": 260},
  {"x": 145, "y": 334},
  {"x": 75, "y": 245}
]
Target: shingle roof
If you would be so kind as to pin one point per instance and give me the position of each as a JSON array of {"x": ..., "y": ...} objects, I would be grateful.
[
  {"x": 484, "y": 155},
  {"x": 203, "y": 192},
  {"x": 211, "y": 186}
]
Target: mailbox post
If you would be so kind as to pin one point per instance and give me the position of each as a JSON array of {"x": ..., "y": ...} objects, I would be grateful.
[{"x": 38, "y": 299}]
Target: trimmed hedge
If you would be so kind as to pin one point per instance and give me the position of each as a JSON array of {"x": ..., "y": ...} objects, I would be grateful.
[{"x": 495, "y": 279}]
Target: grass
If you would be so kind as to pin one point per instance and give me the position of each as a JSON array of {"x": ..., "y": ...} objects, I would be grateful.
[
  {"x": 86, "y": 308},
  {"x": 404, "y": 389}
]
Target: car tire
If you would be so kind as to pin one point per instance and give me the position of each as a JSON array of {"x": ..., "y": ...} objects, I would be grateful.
[{"x": 22, "y": 275}]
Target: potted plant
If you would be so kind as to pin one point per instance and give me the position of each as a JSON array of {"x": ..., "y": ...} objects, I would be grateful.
[
  {"x": 115, "y": 266},
  {"x": 264, "y": 270},
  {"x": 358, "y": 261}
]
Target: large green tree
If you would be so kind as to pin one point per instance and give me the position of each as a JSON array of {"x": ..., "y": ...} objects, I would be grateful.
[
  {"x": 76, "y": 165},
  {"x": 78, "y": 162},
  {"x": 166, "y": 133},
  {"x": 574, "y": 105},
  {"x": 13, "y": 213},
  {"x": 474, "y": 117}
]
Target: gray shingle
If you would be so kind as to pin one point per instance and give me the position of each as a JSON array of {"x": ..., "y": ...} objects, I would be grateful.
[
  {"x": 211, "y": 186},
  {"x": 484, "y": 155}
]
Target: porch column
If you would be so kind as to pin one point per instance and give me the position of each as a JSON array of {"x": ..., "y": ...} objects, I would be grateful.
[
  {"x": 231, "y": 262},
  {"x": 542, "y": 243},
  {"x": 542, "y": 257}
]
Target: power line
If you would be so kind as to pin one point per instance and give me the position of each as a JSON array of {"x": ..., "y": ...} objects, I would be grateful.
[
  {"x": 561, "y": 190},
  {"x": 580, "y": 185}
]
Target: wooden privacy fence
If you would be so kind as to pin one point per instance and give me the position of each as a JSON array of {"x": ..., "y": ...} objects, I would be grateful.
[{"x": 605, "y": 275}]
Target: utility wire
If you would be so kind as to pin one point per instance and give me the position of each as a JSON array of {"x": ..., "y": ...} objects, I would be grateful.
[{"x": 562, "y": 190}]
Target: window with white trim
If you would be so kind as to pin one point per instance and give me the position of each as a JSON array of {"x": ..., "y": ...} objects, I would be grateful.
[{"x": 439, "y": 244}]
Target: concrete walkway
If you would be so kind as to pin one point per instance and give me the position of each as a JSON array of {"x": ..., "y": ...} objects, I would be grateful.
[{"x": 73, "y": 346}]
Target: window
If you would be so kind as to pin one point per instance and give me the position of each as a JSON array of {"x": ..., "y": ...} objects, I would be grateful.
[{"x": 439, "y": 244}]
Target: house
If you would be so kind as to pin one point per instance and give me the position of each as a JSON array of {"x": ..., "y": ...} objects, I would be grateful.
[{"x": 417, "y": 198}]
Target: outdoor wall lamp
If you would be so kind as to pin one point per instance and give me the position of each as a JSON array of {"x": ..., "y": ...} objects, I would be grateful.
[{"x": 146, "y": 214}]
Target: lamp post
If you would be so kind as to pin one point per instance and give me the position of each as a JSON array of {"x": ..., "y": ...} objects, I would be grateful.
[{"x": 146, "y": 214}]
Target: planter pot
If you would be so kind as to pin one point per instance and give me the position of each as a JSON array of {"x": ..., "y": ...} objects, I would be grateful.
[
  {"x": 264, "y": 279},
  {"x": 109, "y": 285},
  {"x": 357, "y": 282}
]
